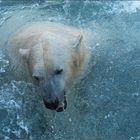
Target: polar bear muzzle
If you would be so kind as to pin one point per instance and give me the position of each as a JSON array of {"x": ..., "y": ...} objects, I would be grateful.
[
  {"x": 56, "y": 105},
  {"x": 53, "y": 93}
]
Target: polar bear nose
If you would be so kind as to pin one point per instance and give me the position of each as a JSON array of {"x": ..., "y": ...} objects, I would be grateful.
[
  {"x": 56, "y": 105},
  {"x": 51, "y": 105}
]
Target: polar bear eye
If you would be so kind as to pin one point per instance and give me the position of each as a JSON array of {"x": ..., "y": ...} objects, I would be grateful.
[
  {"x": 36, "y": 78},
  {"x": 58, "y": 71}
]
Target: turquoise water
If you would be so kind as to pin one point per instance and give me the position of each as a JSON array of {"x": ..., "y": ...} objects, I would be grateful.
[{"x": 105, "y": 105}]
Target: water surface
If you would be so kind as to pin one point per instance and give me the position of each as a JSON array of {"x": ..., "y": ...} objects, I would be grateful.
[{"x": 106, "y": 103}]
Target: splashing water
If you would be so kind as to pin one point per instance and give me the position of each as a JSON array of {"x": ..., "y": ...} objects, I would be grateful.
[
  {"x": 103, "y": 105},
  {"x": 3, "y": 63}
]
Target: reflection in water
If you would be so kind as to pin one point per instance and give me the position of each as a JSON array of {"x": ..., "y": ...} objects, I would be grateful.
[{"x": 103, "y": 105}]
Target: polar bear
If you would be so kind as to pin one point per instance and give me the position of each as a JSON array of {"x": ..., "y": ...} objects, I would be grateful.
[{"x": 52, "y": 56}]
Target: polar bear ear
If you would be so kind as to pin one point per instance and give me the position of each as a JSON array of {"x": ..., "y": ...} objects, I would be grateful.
[
  {"x": 24, "y": 53},
  {"x": 77, "y": 41}
]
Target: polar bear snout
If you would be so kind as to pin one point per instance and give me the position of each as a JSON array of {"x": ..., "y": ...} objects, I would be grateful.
[
  {"x": 57, "y": 105},
  {"x": 53, "y": 94}
]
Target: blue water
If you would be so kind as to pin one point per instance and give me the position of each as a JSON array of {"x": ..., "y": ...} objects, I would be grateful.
[{"x": 105, "y": 104}]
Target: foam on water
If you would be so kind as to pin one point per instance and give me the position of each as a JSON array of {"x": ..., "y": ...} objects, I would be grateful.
[
  {"x": 13, "y": 122},
  {"x": 118, "y": 7},
  {"x": 129, "y": 6},
  {"x": 3, "y": 62}
]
